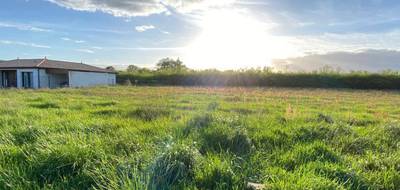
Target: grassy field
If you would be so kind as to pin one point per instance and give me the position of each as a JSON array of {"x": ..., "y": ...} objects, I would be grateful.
[{"x": 199, "y": 138}]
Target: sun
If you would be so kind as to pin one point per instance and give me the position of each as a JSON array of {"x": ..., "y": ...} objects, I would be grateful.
[{"x": 230, "y": 39}]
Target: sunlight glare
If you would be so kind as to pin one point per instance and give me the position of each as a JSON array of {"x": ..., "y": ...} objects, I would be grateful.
[{"x": 231, "y": 39}]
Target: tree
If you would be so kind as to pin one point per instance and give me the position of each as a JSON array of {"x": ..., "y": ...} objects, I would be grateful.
[
  {"x": 171, "y": 65},
  {"x": 111, "y": 68},
  {"x": 132, "y": 68}
]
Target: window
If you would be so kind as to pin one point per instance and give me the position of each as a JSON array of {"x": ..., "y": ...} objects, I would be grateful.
[{"x": 27, "y": 79}]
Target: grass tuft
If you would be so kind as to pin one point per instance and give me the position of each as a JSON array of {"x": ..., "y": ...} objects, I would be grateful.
[
  {"x": 46, "y": 105},
  {"x": 149, "y": 113},
  {"x": 175, "y": 168}
]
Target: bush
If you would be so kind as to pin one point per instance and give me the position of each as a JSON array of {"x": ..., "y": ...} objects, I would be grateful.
[
  {"x": 175, "y": 167},
  {"x": 265, "y": 78}
]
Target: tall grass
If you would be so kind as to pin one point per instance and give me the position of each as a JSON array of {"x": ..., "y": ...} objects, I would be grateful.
[{"x": 199, "y": 138}]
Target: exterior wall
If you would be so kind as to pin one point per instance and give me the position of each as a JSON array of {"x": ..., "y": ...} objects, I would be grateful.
[
  {"x": 51, "y": 80},
  {"x": 34, "y": 77},
  {"x": 56, "y": 80},
  {"x": 1, "y": 79},
  {"x": 86, "y": 79},
  {"x": 43, "y": 79},
  {"x": 112, "y": 79}
]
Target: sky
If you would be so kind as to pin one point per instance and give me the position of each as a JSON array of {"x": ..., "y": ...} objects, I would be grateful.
[{"x": 222, "y": 34}]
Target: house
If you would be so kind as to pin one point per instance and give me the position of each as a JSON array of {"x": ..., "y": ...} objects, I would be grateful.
[{"x": 45, "y": 73}]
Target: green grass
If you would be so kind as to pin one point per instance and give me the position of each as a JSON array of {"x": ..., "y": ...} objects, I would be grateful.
[{"x": 199, "y": 138}]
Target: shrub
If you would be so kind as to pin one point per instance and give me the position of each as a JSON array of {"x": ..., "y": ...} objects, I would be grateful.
[
  {"x": 265, "y": 78},
  {"x": 215, "y": 173},
  {"x": 175, "y": 167}
]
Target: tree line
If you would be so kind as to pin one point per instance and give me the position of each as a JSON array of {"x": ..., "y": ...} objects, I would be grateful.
[{"x": 173, "y": 72}]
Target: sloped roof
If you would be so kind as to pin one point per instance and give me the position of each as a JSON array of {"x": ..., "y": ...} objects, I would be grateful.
[{"x": 51, "y": 64}]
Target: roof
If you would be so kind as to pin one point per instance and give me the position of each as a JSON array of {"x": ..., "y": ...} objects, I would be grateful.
[{"x": 51, "y": 64}]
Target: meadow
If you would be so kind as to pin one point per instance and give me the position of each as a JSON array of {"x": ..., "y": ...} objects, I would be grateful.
[{"x": 199, "y": 138}]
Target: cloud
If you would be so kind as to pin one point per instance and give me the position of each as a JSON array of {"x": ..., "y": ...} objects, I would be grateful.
[
  {"x": 76, "y": 41},
  {"x": 131, "y": 8},
  {"x": 7, "y": 42},
  {"x": 24, "y": 27},
  {"x": 97, "y": 47},
  {"x": 144, "y": 28},
  {"x": 365, "y": 60},
  {"x": 85, "y": 51}
]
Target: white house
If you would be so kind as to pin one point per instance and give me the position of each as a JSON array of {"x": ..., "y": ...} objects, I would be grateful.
[{"x": 44, "y": 73}]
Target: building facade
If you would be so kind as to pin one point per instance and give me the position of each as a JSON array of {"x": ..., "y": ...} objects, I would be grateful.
[{"x": 44, "y": 73}]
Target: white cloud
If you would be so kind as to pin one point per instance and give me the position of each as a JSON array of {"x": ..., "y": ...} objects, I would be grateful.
[
  {"x": 85, "y": 51},
  {"x": 24, "y": 27},
  {"x": 97, "y": 47},
  {"x": 131, "y": 8},
  {"x": 7, "y": 42},
  {"x": 366, "y": 60},
  {"x": 79, "y": 41},
  {"x": 76, "y": 41},
  {"x": 144, "y": 28}
]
